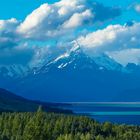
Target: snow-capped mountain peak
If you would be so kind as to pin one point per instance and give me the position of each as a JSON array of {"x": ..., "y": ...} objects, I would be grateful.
[
  {"x": 74, "y": 59},
  {"x": 77, "y": 59}
]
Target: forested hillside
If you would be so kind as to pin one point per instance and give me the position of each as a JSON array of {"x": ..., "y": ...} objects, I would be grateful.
[{"x": 48, "y": 126}]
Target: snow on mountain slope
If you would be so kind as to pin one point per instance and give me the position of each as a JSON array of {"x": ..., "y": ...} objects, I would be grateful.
[
  {"x": 13, "y": 71},
  {"x": 76, "y": 59}
]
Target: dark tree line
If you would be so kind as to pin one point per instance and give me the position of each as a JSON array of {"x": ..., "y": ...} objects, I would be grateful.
[{"x": 48, "y": 126}]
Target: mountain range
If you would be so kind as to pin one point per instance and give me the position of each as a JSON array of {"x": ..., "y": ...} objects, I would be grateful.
[{"x": 75, "y": 76}]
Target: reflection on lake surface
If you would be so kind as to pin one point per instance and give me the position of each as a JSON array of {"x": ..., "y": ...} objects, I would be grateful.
[{"x": 124, "y": 113}]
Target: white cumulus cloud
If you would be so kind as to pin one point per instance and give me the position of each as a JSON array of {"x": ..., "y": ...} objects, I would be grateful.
[
  {"x": 122, "y": 42},
  {"x": 127, "y": 56},
  {"x": 77, "y": 19},
  {"x": 137, "y": 8},
  {"x": 9, "y": 24},
  {"x": 50, "y": 22},
  {"x": 112, "y": 37},
  {"x": 63, "y": 17}
]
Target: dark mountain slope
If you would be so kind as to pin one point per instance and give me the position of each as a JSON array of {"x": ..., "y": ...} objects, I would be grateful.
[{"x": 10, "y": 102}]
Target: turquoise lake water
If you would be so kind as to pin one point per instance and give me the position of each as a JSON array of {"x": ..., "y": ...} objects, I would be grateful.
[{"x": 122, "y": 113}]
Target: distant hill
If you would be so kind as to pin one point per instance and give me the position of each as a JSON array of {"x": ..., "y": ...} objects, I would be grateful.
[{"x": 10, "y": 102}]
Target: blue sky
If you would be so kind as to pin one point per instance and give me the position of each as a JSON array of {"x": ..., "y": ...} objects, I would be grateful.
[
  {"x": 97, "y": 25},
  {"x": 21, "y": 8}
]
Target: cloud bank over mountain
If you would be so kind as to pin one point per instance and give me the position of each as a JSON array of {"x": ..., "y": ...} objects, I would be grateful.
[
  {"x": 116, "y": 40},
  {"x": 53, "y": 27}
]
